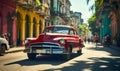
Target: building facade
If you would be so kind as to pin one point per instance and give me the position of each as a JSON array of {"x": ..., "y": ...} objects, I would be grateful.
[
  {"x": 60, "y": 10},
  {"x": 115, "y": 20},
  {"x": 110, "y": 20},
  {"x": 21, "y": 19},
  {"x": 31, "y": 19},
  {"x": 8, "y": 20},
  {"x": 78, "y": 14}
]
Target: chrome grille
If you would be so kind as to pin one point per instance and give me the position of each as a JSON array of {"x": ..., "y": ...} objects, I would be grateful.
[{"x": 45, "y": 45}]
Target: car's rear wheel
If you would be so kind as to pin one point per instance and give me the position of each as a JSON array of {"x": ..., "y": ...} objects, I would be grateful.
[
  {"x": 2, "y": 50},
  {"x": 69, "y": 53},
  {"x": 31, "y": 55}
]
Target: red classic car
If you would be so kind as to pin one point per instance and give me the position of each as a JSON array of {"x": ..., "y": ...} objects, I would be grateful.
[{"x": 58, "y": 39}]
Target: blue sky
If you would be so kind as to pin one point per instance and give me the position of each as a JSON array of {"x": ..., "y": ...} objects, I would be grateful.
[{"x": 81, "y": 6}]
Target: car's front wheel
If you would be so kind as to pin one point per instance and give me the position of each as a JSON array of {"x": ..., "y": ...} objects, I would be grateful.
[
  {"x": 2, "y": 49},
  {"x": 69, "y": 53},
  {"x": 31, "y": 55}
]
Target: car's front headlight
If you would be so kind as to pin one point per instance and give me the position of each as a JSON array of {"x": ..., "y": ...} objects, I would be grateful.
[
  {"x": 62, "y": 41},
  {"x": 26, "y": 41}
]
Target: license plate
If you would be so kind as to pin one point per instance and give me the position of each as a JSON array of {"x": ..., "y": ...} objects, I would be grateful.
[{"x": 40, "y": 51}]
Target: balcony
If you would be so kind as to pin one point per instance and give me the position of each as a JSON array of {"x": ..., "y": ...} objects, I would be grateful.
[
  {"x": 54, "y": 13},
  {"x": 31, "y": 5},
  {"x": 26, "y": 4},
  {"x": 43, "y": 13}
]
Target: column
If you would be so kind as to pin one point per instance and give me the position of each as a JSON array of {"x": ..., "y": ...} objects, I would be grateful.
[
  {"x": 37, "y": 30},
  {"x": 31, "y": 29},
  {"x": 22, "y": 32}
]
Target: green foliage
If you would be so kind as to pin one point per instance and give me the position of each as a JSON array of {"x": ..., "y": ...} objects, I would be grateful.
[
  {"x": 83, "y": 29},
  {"x": 99, "y": 3},
  {"x": 92, "y": 19}
]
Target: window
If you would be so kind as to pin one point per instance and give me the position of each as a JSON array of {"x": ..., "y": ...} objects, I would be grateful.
[
  {"x": 62, "y": 30},
  {"x": 72, "y": 32}
]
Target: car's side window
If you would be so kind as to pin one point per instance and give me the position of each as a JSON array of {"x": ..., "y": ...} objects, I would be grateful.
[
  {"x": 72, "y": 32},
  {"x": 48, "y": 30},
  {"x": 75, "y": 32}
]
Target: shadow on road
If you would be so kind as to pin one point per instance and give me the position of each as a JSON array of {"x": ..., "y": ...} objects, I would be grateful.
[
  {"x": 110, "y": 50},
  {"x": 44, "y": 59},
  {"x": 97, "y": 64}
]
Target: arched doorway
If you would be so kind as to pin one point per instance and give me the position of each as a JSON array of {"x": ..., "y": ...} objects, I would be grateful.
[
  {"x": 27, "y": 26},
  {"x": 9, "y": 28},
  {"x": 19, "y": 29},
  {"x": 34, "y": 27}
]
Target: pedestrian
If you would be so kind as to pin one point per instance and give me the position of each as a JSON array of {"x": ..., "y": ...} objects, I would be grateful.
[
  {"x": 85, "y": 39},
  {"x": 92, "y": 39},
  {"x": 103, "y": 40},
  {"x": 6, "y": 36},
  {"x": 96, "y": 39},
  {"x": 108, "y": 39},
  {"x": 89, "y": 40}
]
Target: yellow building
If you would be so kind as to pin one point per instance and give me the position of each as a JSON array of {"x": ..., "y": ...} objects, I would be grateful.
[
  {"x": 29, "y": 24},
  {"x": 31, "y": 18}
]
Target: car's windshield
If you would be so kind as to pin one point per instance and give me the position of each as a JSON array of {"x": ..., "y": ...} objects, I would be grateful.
[{"x": 61, "y": 30}]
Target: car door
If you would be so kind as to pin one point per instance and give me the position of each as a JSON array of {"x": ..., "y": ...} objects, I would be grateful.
[{"x": 75, "y": 38}]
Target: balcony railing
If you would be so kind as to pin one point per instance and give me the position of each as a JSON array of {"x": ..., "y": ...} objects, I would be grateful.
[
  {"x": 42, "y": 10},
  {"x": 27, "y": 4},
  {"x": 43, "y": 13}
]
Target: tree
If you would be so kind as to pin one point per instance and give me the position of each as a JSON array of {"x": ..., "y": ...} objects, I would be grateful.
[
  {"x": 95, "y": 19},
  {"x": 84, "y": 29}
]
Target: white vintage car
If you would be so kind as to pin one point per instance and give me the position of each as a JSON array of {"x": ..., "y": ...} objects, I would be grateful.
[{"x": 4, "y": 45}]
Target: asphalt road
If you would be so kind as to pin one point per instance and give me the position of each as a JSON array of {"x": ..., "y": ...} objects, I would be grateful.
[{"x": 92, "y": 59}]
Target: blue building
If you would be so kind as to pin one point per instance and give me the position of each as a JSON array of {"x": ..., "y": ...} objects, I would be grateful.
[
  {"x": 105, "y": 25},
  {"x": 60, "y": 11},
  {"x": 78, "y": 14}
]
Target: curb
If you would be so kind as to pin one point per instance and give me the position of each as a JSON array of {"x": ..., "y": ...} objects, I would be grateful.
[{"x": 15, "y": 49}]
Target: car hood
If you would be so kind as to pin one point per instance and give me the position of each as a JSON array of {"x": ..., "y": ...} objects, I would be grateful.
[{"x": 49, "y": 37}]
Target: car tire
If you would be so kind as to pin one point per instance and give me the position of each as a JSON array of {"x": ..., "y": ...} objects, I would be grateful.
[
  {"x": 31, "y": 56},
  {"x": 3, "y": 48},
  {"x": 79, "y": 52},
  {"x": 69, "y": 53}
]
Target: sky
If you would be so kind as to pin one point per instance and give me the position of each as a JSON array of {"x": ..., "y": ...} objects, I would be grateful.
[{"x": 81, "y": 6}]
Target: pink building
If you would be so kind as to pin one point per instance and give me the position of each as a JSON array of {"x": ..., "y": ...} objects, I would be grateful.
[{"x": 8, "y": 20}]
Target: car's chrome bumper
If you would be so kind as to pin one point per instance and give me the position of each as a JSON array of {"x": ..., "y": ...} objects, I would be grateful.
[
  {"x": 45, "y": 48},
  {"x": 45, "y": 51}
]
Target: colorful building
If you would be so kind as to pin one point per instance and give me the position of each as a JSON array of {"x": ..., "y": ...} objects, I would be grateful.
[
  {"x": 21, "y": 19},
  {"x": 115, "y": 20},
  {"x": 105, "y": 28},
  {"x": 30, "y": 18},
  {"x": 78, "y": 14},
  {"x": 60, "y": 11},
  {"x": 8, "y": 19}
]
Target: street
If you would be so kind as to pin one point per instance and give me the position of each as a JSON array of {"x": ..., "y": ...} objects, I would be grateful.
[{"x": 92, "y": 59}]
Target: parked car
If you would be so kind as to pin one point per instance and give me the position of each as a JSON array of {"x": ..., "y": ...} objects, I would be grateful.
[
  {"x": 4, "y": 45},
  {"x": 59, "y": 39}
]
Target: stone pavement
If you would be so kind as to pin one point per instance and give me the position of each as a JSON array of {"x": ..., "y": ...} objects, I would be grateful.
[{"x": 115, "y": 47}]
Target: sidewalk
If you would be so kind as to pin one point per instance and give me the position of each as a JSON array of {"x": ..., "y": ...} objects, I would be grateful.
[
  {"x": 15, "y": 49},
  {"x": 115, "y": 47}
]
